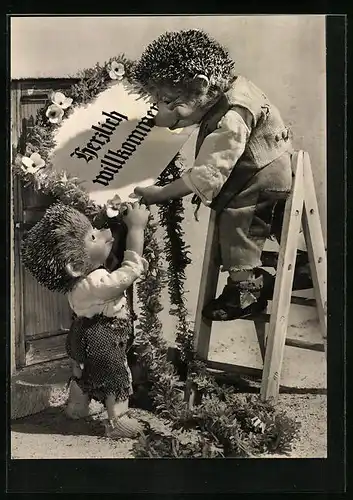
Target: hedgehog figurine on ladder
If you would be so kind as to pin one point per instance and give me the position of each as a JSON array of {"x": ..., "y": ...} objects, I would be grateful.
[{"x": 242, "y": 167}]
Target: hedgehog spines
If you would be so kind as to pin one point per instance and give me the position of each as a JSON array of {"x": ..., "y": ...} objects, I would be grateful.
[
  {"x": 54, "y": 241},
  {"x": 176, "y": 57}
]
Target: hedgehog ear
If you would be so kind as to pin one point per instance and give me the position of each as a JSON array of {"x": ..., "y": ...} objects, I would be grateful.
[
  {"x": 74, "y": 273},
  {"x": 201, "y": 83}
]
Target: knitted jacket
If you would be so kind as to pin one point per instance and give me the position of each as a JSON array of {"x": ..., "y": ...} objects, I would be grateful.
[
  {"x": 268, "y": 139},
  {"x": 269, "y": 136}
]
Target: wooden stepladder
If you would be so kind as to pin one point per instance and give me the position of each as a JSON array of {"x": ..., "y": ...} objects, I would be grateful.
[{"x": 301, "y": 209}]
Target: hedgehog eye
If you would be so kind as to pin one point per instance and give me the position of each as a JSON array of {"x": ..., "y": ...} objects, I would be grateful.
[{"x": 93, "y": 237}]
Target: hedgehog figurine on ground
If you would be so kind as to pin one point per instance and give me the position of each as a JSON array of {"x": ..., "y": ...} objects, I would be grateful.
[
  {"x": 58, "y": 239},
  {"x": 55, "y": 245},
  {"x": 66, "y": 254}
]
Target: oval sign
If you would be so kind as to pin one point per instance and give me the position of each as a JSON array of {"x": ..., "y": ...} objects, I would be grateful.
[{"x": 111, "y": 144}]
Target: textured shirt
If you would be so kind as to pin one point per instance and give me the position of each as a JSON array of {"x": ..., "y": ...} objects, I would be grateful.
[
  {"x": 102, "y": 292},
  {"x": 218, "y": 154},
  {"x": 243, "y": 126}
]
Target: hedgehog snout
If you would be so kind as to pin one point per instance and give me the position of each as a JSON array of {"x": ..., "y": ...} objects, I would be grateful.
[{"x": 106, "y": 234}]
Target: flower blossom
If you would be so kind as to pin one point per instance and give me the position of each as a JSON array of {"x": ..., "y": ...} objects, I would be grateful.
[
  {"x": 113, "y": 206},
  {"x": 258, "y": 424},
  {"x": 32, "y": 163},
  {"x": 54, "y": 113},
  {"x": 61, "y": 100},
  {"x": 116, "y": 70}
]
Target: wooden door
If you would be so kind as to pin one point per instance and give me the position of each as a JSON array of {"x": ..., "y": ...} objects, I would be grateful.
[{"x": 41, "y": 317}]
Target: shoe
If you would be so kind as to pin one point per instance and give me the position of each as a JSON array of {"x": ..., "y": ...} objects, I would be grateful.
[
  {"x": 227, "y": 307},
  {"x": 123, "y": 428}
]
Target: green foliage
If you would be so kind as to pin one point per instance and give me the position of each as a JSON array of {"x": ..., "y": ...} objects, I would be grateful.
[
  {"x": 156, "y": 445},
  {"x": 171, "y": 216}
]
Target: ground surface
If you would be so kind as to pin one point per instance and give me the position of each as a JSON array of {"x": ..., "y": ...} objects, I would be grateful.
[{"x": 50, "y": 434}]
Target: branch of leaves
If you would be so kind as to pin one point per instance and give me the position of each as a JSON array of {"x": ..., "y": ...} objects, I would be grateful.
[{"x": 158, "y": 445}]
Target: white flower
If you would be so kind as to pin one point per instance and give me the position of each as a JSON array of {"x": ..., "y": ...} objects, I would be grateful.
[
  {"x": 263, "y": 427},
  {"x": 112, "y": 213},
  {"x": 54, "y": 113},
  {"x": 258, "y": 424},
  {"x": 116, "y": 70},
  {"x": 113, "y": 206},
  {"x": 33, "y": 163},
  {"x": 61, "y": 100}
]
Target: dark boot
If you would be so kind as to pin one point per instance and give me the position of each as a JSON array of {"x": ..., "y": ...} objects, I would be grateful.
[{"x": 227, "y": 306}]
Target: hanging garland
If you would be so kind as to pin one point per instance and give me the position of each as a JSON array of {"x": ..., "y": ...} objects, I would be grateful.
[
  {"x": 171, "y": 215},
  {"x": 235, "y": 425}
]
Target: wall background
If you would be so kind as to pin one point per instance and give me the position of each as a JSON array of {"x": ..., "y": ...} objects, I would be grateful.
[{"x": 283, "y": 55}]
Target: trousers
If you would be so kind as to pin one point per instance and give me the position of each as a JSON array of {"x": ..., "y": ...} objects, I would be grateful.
[
  {"x": 246, "y": 222},
  {"x": 100, "y": 344}
]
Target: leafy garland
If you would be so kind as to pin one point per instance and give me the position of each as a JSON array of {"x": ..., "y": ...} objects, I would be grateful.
[
  {"x": 171, "y": 215},
  {"x": 235, "y": 425}
]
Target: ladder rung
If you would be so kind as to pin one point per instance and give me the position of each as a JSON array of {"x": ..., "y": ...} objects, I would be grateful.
[
  {"x": 265, "y": 318},
  {"x": 250, "y": 370},
  {"x": 259, "y": 318},
  {"x": 303, "y": 301},
  {"x": 252, "y": 387},
  {"x": 228, "y": 367},
  {"x": 305, "y": 344}
]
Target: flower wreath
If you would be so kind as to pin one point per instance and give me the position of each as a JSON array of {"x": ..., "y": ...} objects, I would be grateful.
[{"x": 235, "y": 425}]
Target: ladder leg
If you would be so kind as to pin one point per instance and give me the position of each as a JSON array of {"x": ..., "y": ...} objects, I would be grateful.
[
  {"x": 207, "y": 290},
  {"x": 260, "y": 328},
  {"x": 283, "y": 285},
  {"x": 315, "y": 245}
]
